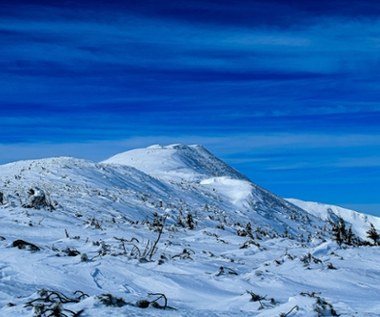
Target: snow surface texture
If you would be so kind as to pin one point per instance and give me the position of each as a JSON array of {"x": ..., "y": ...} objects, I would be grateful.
[{"x": 173, "y": 220}]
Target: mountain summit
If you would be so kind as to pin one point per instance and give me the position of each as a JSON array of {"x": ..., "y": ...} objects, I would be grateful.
[{"x": 176, "y": 162}]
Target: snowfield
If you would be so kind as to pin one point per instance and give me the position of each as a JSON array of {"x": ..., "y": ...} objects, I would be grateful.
[{"x": 173, "y": 231}]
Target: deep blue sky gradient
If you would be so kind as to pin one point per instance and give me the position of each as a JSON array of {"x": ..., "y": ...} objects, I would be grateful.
[{"x": 287, "y": 92}]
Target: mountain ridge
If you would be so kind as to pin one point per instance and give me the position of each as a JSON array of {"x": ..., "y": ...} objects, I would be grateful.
[
  {"x": 213, "y": 177},
  {"x": 142, "y": 167}
]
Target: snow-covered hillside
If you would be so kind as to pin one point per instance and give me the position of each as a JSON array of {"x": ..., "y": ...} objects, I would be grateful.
[
  {"x": 176, "y": 223},
  {"x": 360, "y": 222}
]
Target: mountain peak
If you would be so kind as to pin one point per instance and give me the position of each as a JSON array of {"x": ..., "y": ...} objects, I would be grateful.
[
  {"x": 176, "y": 146},
  {"x": 175, "y": 162}
]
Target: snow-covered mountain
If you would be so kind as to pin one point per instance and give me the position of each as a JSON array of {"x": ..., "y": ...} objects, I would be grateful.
[
  {"x": 201, "y": 177},
  {"x": 172, "y": 220},
  {"x": 207, "y": 188}
]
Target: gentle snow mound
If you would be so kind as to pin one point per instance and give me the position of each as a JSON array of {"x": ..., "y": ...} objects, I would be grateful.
[{"x": 236, "y": 190}]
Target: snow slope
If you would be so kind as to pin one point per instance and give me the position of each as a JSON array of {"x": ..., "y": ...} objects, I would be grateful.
[
  {"x": 360, "y": 222},
  {"x": 222, "y": 242}
]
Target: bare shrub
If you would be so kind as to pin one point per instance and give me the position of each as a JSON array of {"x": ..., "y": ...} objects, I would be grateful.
[
  {"x": 110, "y": 300},
  {"x": 51, "y": 304}
]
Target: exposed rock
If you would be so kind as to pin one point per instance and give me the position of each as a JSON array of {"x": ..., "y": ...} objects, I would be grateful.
[
  {"x": 38, "y": 200},
  {"x": 24, "y": 245}
]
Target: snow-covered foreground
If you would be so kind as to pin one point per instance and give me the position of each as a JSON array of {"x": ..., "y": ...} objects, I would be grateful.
[{"x": 195, "y": 230}]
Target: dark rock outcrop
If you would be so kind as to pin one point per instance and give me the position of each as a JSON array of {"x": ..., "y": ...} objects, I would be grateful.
[
  {"x": 38, "y": 200},
  {"x": 24, "y": 245}
]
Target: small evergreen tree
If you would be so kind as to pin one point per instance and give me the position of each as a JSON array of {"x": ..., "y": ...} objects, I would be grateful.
[
  {"x": 190, "y": 221},
  {"x": 248, "y": 228},
  {"x": 339, "y": 231},
  {"x": 350, "y": 237},
  {"x": 372, "y": 234}
]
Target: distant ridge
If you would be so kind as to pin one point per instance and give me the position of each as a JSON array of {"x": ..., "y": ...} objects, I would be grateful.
[{"x": 360, "y": 222}]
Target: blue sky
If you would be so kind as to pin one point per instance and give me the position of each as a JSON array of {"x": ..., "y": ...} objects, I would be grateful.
[{"x": 287, "y": 92}]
